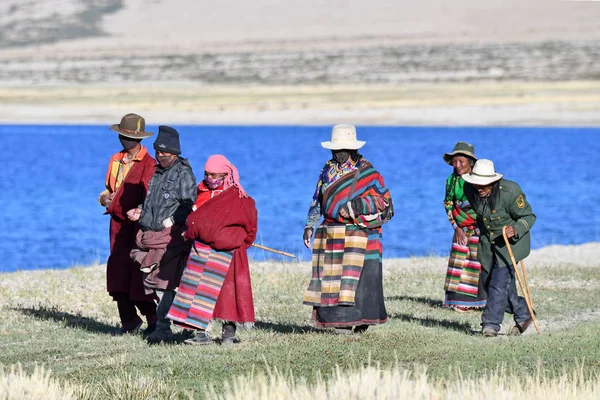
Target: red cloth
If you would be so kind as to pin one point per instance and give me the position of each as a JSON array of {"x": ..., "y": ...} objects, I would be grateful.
[
  {"x": 205, "y": 194},
  {"x": 169, "y": 250},
  {"x": 122, "y": 274},
  {"x": 229, "y": 222}
]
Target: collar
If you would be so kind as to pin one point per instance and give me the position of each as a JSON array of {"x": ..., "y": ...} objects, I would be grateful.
[
  {"x": 203, "y": 188},
  {"x": 122, "y": 155}
]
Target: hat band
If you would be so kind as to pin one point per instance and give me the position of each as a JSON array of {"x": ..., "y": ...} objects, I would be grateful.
[
  {"x": 129, "y": 131},
  {"x": 484, "y": 176}
]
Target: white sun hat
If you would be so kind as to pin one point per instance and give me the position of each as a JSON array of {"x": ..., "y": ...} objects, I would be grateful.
[
  {"x": 343, "y": 137},
  {"x": 483, "y": 173}
]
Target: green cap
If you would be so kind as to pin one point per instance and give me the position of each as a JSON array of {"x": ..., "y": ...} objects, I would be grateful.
[{"x": 461, "y": 148}]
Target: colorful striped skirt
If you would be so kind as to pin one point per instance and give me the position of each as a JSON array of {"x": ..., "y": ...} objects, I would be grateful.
[
  {"x": 200, "y": 285},
  {"x": 463, "y": 287}
]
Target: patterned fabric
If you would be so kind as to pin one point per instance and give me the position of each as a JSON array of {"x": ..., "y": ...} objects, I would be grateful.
[
  {"x": 463, "y": 271},
  {"x": 330, "y": 173},
  {"x": 462, "y": 275},
  {"x": 339, "y": 253},
  {"x": 200, "y": 286},
  {"x": 453, "y": 203},
  {"x": 364, "y": 190}
]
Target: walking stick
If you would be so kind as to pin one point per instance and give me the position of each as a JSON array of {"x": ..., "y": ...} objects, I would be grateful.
[
  {"x": 526, "y": 281},
  {"x": 283, "y": 253},
  {"x": 525, "y": 289}
]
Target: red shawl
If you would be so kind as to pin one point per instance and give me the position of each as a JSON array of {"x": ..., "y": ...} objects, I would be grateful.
[
  {"x": 229, "y": 222},
  {"x": 122, "y": 274}
]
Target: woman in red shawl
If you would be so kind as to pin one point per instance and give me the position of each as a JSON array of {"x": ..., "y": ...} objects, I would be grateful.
[{"x": 216, "y": 280}]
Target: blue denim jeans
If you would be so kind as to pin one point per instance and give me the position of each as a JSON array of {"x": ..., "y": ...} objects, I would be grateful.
[{"x": 502, "y": 297}]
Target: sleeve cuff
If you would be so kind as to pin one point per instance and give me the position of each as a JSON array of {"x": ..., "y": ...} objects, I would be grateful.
[{"x": 521, "y": 227}]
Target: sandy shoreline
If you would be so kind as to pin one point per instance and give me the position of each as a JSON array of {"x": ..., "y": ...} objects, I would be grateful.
[{"x": 481, "y": 103}]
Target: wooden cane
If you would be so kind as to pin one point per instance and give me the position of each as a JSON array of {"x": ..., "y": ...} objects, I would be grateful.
[
  {"x": 283, "y": 253},
  {"x": 526, "y": 291},
  {"x": 526, "y": 281}
]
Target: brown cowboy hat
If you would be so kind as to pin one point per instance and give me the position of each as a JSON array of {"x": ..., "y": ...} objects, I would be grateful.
[
  {"x": 462, "y": 148},
  {"x": 132, "y": 126}
]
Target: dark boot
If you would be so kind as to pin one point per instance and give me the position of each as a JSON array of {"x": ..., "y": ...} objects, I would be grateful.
[
  {"x": 229, "y": 330},
  {"x": 358, "y": 329}
]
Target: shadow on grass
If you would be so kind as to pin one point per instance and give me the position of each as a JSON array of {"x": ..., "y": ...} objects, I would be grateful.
[
  {"x": 70, "y": 320},
  {"x": 423, "y": 300},
  {"x": 434, "y": 323},
  {"x": 286, "y": 328}
]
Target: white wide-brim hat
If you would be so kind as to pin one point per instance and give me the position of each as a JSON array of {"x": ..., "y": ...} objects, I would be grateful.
[
  {"x": 343, "y": 137},
  {"x": 483, "y": 173}
]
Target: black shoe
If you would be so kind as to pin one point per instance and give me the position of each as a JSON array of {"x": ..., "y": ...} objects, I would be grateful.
[
  {"x": 358, "y": 329},
  {"x": 160, "y": 336},
  {"x": 121, "y": 331},
  {"x": 151, "y": 328},
  {"x": 188, "y": 333},
  {"x": 201, "y": 338}
]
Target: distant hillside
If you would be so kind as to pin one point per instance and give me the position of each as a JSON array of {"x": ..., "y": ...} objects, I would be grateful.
[
  {"x": 27, "y": 22},
  {"x": 87, "y": 28}
]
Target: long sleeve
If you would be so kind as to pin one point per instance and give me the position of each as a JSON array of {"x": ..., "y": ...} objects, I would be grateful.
[
  {"x": 252, "y": 225},
  {"x": 314, "y": 211},
  {"x": 520, "y": 210},
  {"x": 449, "y": 199},
  {"x": 372, "y": 203},
  {"x": 187, "y": 195},
  {"x": 373, "y": 207}
]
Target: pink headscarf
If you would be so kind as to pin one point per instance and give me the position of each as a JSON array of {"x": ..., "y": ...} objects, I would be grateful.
[{"x": 219, "y": 164}]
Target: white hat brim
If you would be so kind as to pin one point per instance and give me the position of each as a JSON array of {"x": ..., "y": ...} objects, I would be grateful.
[
  {"x": 481, "y": 180},
  {"x": 341, "y": 146}
]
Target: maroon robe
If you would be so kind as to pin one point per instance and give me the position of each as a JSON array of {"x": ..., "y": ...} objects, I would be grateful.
[
  {"x": 123, "y": 275},
  {"x": 229, "y": 222}
]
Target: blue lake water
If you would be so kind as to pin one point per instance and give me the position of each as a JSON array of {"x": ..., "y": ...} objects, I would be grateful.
[{"x": 53, "y": 175}]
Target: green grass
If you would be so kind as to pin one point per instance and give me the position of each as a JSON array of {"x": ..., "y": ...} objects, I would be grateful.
[{"x": 61, "y": 320}]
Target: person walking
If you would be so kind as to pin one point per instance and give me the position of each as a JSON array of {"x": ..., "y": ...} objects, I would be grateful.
[
  {"x": 161, "y": 249},
  {"x": 216, "y": 281},
  {"x": 126, "y": 184},
  {"x": 346, "y": 287},
  {"x": 499, "y": 202},
  {"x": 463, "y": 289}
]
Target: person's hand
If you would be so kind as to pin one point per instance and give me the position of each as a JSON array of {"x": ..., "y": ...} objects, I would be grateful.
[
  {"x": 510, "y": 232},
  {"x": 344, "y": 212},
  {"x": 307, "y": 235},
  {"x": 134, "y": 214},
  {"x": 459, "y": 236},
  {"x": 106, "y": 199}
]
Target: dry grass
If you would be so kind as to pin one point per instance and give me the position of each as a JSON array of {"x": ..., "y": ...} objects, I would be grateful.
[
  {"x": 61, "y": 320},
  {"x": 374, "y": 383}
]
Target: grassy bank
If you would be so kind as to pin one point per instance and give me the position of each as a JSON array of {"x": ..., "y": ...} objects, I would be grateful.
[{"x": 61, "y": 320}]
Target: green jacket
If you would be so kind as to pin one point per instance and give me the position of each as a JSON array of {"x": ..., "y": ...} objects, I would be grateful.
[{"x": 510, "y": 208}]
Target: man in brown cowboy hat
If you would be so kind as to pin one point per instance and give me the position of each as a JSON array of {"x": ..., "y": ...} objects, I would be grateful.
[
  {"x": 129, "y": 172},
  {"x": 498, "y": 203}
]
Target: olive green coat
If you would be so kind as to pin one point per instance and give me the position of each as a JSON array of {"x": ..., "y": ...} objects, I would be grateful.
[{"x": 510, "y": 208}]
